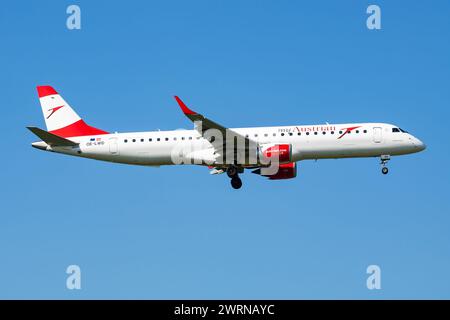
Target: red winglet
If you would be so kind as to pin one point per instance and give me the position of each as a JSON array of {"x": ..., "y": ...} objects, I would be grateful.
[
  {"x": 183, "y": 107},
  {"x": 44, "y": 91}
]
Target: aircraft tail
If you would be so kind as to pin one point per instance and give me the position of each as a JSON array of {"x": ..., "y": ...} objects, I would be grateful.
[{"x": 60, "y": 118}]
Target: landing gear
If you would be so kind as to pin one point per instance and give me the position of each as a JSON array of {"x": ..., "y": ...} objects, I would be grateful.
[
  {"x": 384, "y": 160},
  {"x": 236, "y": 182},
  {"x": 233, "y": 173}
]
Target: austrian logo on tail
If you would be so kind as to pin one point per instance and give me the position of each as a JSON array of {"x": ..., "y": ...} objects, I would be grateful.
[{"x": 53, "y": 110}]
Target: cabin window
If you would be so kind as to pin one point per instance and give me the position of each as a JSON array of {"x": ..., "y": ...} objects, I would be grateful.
[
  {"x": 125, "y": 140},
  {"x": 150, "y": 140},
  {"x": 182, "y": 138},
  {"x": 290, "y": 133},
  {"x": 340, "y": 132},
  {"x": 134, "y": 140},
  {"x": 274, "y": 134},
  {"x": 332, "y": 132},
  {"x": 174, "y": 138},
  {"x": 357, "y": 131},
  {"x": 190, "y": 138},
  {"x": 167, "y": 139},
  {"x": 159, "y": 139},
  {"x": 256, "y": 135},
  {"x": 299, "y": 134},
  {"x": 142, "y": 140},
  {"x": 365, "y": 131},
  {"x": 266, "y": 135},
  {"x": 282, "y": 134},
  {"x": 307, "y": 133},
  {"x": 315, "y": 133}
]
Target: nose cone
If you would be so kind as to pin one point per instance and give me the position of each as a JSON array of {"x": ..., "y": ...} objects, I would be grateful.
[{"x": 419, "y": 145}]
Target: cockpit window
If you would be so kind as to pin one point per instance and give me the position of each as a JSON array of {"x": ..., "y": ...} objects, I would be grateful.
[
  {"x": 395, "y": 130},
  {"x": 404, "y": 131}
]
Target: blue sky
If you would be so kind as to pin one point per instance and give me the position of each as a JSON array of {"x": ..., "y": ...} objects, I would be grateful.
[{"x": 177, "y": 232}]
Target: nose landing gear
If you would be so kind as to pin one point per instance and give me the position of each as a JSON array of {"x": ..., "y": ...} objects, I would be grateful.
[
  {"x": 233, "y": 173},
  {"x": 384, "y": 160}
]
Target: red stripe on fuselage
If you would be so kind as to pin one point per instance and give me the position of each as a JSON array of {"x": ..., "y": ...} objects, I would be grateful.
[{"x": 77, "y": 129}]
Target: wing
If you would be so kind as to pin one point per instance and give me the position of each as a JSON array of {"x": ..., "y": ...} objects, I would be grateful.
[
  {"x": 194, "y": 117},
  {"x": 203, "y": 124}
]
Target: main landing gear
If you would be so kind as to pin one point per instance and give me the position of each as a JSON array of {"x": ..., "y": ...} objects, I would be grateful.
[
  {"x": 233, "y": 173},
  {"x": 384, "y": 160}
]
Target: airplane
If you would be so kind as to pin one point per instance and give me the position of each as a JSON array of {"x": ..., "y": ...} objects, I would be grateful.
[{"x": 222, "y": 149}]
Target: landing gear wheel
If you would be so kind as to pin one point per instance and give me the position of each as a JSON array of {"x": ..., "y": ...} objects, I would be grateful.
[
  {"x": 232, "y": 171},
  {"x": 236, "y": 183},
  {"x": 384, "y": 159}
]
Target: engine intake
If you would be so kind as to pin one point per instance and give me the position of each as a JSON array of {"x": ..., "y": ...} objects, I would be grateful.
[{"x": 282, "y": 152}]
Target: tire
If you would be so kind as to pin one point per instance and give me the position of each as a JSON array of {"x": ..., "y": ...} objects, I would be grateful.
[
  {"x": 236, "y": 183},
  {"x": 384, "y": 170},
  {"x": 232, "y": 171}
]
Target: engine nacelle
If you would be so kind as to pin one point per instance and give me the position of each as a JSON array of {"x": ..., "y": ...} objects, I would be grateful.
[
  {"x": 285, "y": 171},
  {"x": 282, "y": 152}
]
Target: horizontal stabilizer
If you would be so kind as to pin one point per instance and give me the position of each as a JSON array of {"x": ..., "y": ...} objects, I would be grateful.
[{"x": 52, "y": 139}]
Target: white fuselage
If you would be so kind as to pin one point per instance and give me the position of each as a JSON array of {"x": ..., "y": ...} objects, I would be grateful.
[{"x": 155, "y": 148}]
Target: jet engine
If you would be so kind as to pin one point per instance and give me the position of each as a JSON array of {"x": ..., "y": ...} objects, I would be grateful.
[
  {"x": 285, "y": 171},
  {"x": 282, "y": 152}
]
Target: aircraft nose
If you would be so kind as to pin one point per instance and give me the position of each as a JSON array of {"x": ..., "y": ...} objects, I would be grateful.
[{"x": 419, "y": 144}]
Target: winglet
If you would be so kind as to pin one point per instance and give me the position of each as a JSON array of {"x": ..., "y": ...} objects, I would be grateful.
[{"x": 184, "y": 108}]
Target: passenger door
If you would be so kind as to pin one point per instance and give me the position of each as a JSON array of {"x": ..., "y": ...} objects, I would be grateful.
[
  {"x": 113, "y": 147},
  {"x": 377, "y": 134}
]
